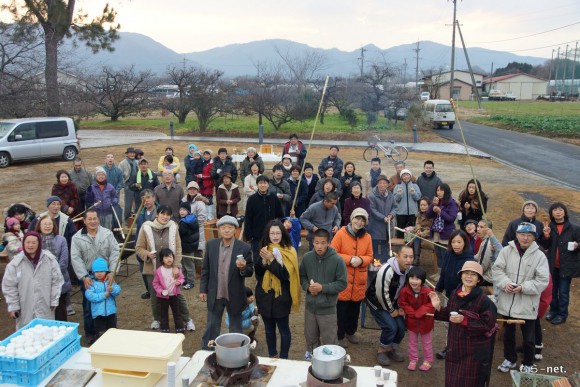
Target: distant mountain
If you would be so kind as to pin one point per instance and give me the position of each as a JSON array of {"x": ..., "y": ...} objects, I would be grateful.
[{"x": 240, "y": 59}]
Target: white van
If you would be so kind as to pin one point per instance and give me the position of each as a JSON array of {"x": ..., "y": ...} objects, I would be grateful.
[
  {"x": 440, "y": 113},
  {"x": 35, "y": 138}
]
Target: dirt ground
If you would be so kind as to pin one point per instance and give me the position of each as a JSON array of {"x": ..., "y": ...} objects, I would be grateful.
[{"x": 506, "y": 188}]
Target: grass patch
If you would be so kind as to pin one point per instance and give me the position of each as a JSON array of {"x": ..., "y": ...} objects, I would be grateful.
[{"x": 548, "y": 119}]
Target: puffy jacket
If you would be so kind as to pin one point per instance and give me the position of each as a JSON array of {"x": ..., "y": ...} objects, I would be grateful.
[
  {"x": 407, "y": 200},
  {"x": 245, "y": 166},
  {"x": 189, "y": 233},
  {"x": 159, "y": 284},
  {"x": 336, "y": 163},
  {"x": 348, "y": 244},
  {"x": 84, "y": 250},
  {"x": 415, "y": 309},
  {"x": 381, "y": 206},
  {"x": 452, "y": 264},
  {"x": 569, "y": 260},
  {"x": 510, "y": 232},
  {"x": 207, "y": 185},
  {"x": 531, "y": 271},
  {"x": 428, "y": 184},
  {"x": 448, "y": 214},
  {"x": 114, "y": 176},
  {"x": 226, "y": 166},
  {"x": 193, "y": 167},
  {"x": 108, "y": 198},
  {"x": 102, "y": 305}
]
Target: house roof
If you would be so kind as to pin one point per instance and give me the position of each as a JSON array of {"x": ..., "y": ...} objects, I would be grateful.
[{"x": 507, "y": 76}]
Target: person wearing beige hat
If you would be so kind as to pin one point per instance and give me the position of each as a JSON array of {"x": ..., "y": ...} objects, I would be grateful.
[
  {"x": 472, "y": 318},
  {"x": 354, "y": 245},
  {"x": 529, "y": 212}
]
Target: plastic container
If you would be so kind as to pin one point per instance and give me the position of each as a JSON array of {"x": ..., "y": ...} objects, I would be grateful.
[
  {"x": 12, "y": 364},
  {"x": 523, "y": 379},
  {"x": 22, "y": 378},
  {"x": 129, "y": 378},
  {"x": 127, "y": 350}
]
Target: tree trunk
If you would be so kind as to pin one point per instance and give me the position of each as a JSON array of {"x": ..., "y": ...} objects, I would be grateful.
[{"x": 51, "y": 75}]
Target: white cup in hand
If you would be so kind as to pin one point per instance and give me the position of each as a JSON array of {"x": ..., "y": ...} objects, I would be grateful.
[{"x": 570, "y": 246}]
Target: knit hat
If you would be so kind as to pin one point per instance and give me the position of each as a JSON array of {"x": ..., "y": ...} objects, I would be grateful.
[
  {"x": 193, "y": 184},
  {"x": 52, "y": 199},
  {"x": 100, "y": 264},
  {"x": 287, "y": 156},
  {"x": 227, "y": 174},
  {"x": 533, "y": 203},
  {"x": 100, "y": 170},
  {"x": 526, "y": 227},
  {"x": 11, "y": 222},
  {"x": 186, "y": 206},
  {"x": 360, "y": 212},
  {"x": 228, "y": 220},
  {"x": 471, "y": 266},
  {"x": 191, "y": 146},
  {"x": 405, "y": 171},
  {"x": 208, "y": 151},
  {"x": 382, "y": 177}
]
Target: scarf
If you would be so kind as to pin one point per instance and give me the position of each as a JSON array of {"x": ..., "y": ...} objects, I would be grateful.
[
  {"x": 395, "y": 265},
  {"x": 155, "y": 225},
  {"x": 374, "y": 176},
  {"x": 48, "y": 243},
  {"x": 36, "y": 257},
  {"x": 271, "y": 282},
  {"x": 140, "y": 174}
]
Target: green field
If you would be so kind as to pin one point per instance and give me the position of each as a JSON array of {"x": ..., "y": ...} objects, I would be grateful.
[{"x": 549, "y": 119}]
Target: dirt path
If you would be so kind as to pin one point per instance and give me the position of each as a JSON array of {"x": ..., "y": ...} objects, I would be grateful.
[{"x": 506, "y": 188}]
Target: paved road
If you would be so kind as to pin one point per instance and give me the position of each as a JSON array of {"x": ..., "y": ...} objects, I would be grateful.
[{"x": 551, "y": 159}]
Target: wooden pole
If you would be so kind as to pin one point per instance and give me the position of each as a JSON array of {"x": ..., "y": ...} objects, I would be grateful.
[
  {"x": 128, "y": 235},
  {"x": 80, "y": 216},
  {"x": 505, "y": 320}
]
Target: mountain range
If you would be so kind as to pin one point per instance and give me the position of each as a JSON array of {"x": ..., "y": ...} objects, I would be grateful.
[{"x": 240, "y": 59}]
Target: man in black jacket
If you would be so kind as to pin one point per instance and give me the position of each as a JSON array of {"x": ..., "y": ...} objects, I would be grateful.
[{"x": 261, "y": 207}]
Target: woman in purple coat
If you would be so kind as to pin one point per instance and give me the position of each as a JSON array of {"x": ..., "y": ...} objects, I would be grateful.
[
  {"x": 105, "y": 193},
  {"x": 443, "y": 210}
]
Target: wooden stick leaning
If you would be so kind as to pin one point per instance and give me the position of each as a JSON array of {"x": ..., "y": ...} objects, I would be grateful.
[
  {"x": 505, "y": 320},
  {"x": 128, "y": 235},
  {"x": 433, "y": 287},
  {"x": 182, "y": 256},
  {"x": 423, "y": 239},
  {"x": 118, "y": 222},
  {"x": 389, "y": 235},
  {"x": 80, "y": 216}
]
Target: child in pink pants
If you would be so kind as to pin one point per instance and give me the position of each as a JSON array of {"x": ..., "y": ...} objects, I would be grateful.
[{"x": 415, "y": 301}]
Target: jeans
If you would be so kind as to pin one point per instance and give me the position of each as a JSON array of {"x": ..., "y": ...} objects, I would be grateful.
[
  {"x": 426, "y": 343},
  {"x": 188, "y": 267},
  {"x": 383, "y": 254},
  {"x": 560, "y": 294},
  {"x": 392, "y": 328},
  {"x": 283, "y": 324},
  {"x": 509, "y": 342},
  {"x": 347, "y": 313},
  {"x": 89, "y": 325},
  {"x": 214, "y": 321}
]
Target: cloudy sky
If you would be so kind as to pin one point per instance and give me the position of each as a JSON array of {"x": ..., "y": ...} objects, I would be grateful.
[{"x": 195, "y": 25}]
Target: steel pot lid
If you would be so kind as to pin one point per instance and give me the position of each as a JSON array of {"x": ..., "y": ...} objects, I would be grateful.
[{"x": 336, "y": 352}]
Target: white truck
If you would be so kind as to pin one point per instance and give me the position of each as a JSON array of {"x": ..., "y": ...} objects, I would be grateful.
[{"x": 498, "y": 95}]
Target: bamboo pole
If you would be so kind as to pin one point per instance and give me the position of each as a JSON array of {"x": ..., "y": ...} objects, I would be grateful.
[
  {"x": 128, "y": 235},
  {"x": 426, "y": 240},
  {"x": 80, "y": 216}
]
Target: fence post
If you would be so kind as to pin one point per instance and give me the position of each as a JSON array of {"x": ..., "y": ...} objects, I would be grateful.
[
  {"x": 171, "y": 130},
  {"x": 415, "y": 135}
]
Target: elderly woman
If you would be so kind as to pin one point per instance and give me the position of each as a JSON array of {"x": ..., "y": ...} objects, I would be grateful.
[
  {"x": 104, "y": 193},
  {"x": 32, "y": 282},
  {"x": 56, "y": 244},
  {"x": 67, "y": 192},
  {"x": 154, "y": 235},
  {"x": 249, "y": 182},
  {"x": 278, "y": 286},
  {"x": 251, "y": 156},
  {"x": 472, "y": 320}
]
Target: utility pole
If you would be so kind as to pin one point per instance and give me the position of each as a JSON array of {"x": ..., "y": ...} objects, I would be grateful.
[
  {"x": 404, "y": 72},
  {"x": 556, "y": 71},
  {"x": 473, "y": 84},
  {"x": 564, "y": 72},
  {"x": 550, "y": 74},
  {"x": 453, "y": 50},
  {"x": 362, "y": 60},
  {"x": 572, "y": 90},
  {"x": 490, "y": 78},
  {"x": 417, "y": 66}
]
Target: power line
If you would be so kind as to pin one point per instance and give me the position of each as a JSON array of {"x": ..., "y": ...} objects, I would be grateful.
[
  {"x": 527, "y": 36},
  {"x": 531, "y": 49}
]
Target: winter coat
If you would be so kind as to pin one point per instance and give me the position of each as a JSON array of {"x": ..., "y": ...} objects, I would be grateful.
[
  {"x": 81, "y": 179},
  {"x": 129, "y": 169},
  {"x": 61, "y": 254},
  {"x": 114, "y": 176},
  {"x": 531, "y": 271},
  {"x": 407, "y": 200},
  {"x": 170, "y": 197},
  {"x": 193, "y": 167},
  {"x": 469, "y": 345},
  {"x": 381, "y": 206},
  {"x": 428, "y": 184},
  {"x": 367, "y": 186},
  {"x": 189, "y": 234},
  {"x": 337, "y": 184},
  {"x": 415, "y": 309},
  {"x": 328, "y": 270},
  {"x": 295, "y": 232},
  {"x": 351, "y": 204},
  {"x": 452, "y": 264},
  {"x": 85, "y": 249},
  {"x": 199, "y": 209},
  {"x": 282, "y": 187},
  {"x": 159, "y": 284},
  {"x": 260, "y": 209},
  {"x": 321, "y": 217},
  {"x": 448, "y": 214},
  {"x": 545, "y": 299},
  {"x": 270, "y": 306},
  {"x": 423, "y": 225},
  {"x": 12, "y": 244},
  {"x": 69, "y": 196},
  {"x": 381, "y": 294},
  {"x": 146, "y": 183},
  {"x": 311, "y": 186},
  {"x": 347, "y": 244},
  {"x": 32, "y": 291},
  {"x": 246, "y": 316},
  {"x": 300, "y": 198},
  {"x": 207, "y": 183},
  {"x": 250, "y": 187},
  {"x": 226, "y": 166},
  {"x": 66, "y": 227},
  {"x": 102, "y": 305},
  {"x": 510, "y": 232},
  {"x": 558, "y": 244},
  {"x": 107, "y": 196},
  {"x": 345, "y": 188},
  {"x": 486, "y": 258},
  {"x": 151, "y": 239},
  {"x": 222, "y": 198},
  {"x": 245, "y": 166},
  {"x": 300, "y": 155},
  {"x": 336, "y": 163},
  {"x": 475, "y": 211}
]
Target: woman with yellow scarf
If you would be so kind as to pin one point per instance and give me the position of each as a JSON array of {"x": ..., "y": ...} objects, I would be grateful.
[{"x": 278, "y": 288}]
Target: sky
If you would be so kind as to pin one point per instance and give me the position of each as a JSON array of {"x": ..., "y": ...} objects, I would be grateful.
[{"x": 195, "y": 25}]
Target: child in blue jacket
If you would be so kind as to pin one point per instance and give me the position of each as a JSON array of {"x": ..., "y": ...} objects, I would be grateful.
[
  {"x": 101, "y": 295},
  {"x": 293, "y": 228},
  {"x": 249, "y": 318}
]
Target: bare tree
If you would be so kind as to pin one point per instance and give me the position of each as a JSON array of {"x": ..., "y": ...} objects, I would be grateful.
[
  {"x": 303, "y": 67},
  {"x": 182, "y": 77},
  {"x": 208, "y": 95},
  {"x": 375, "y": 82},
  {"x": 119, "y": 93}
]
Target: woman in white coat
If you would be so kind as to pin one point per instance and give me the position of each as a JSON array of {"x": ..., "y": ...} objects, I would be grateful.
[{"x": 32, "y": 282}]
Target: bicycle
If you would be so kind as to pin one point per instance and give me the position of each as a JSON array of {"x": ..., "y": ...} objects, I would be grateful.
[{"x": 392, "y": 151}]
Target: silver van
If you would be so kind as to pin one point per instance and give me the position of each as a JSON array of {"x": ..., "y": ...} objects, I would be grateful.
[{"x": 35, "y": 138}]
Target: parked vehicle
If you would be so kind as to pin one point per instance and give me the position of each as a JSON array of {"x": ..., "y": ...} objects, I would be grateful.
[
  {"x": 439, "y": 113},
  {"x": 425, "y": 96},
  {"x": 498, "y": 95},
  {"x": 35, "y": 138}
]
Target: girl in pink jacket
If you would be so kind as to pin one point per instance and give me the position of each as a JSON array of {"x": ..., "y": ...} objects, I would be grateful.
[{"x": 167, "y": 282}]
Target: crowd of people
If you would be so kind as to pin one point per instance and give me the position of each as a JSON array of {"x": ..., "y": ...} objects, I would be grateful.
[{"x": 350, "y": 222}]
